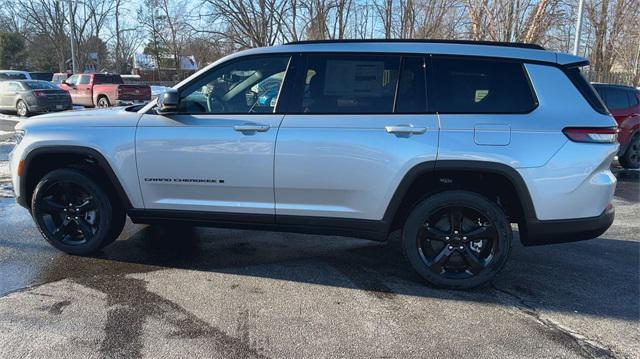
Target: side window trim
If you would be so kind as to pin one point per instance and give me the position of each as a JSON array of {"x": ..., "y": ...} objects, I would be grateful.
[
  {"x": 287, "y": 87},
  {"x": 425, "y": 67}
]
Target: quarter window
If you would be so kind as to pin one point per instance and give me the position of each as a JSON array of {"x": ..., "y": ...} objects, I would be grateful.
[
  {"x": 249, "y": 85},
  {"x": 343, "y": 84},
  {"x": 633, "y": 98},
  {"x": 617, "y": 99},
  {"x": 463, "y": 85}
]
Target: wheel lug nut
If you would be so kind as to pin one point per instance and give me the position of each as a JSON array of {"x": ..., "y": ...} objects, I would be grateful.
[
  {"x": 461, "y": 247},
  {"x": 450, "y": 247},
  {"x": 455, "y": 232},
  {"x": 447, "y": 238}
]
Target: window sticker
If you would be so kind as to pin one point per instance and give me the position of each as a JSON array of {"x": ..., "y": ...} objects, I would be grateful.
[
  {"x": 354, "y": 78},
  {"x": 481, "y": 94}
]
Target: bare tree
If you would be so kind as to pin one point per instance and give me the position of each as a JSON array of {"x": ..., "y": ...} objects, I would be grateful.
[
  {"x": 247, "y": 23},
  {"x": 511, "y": 20},
  {"x": 47, "y": 18},
  {"x": 610, "y": 19}
]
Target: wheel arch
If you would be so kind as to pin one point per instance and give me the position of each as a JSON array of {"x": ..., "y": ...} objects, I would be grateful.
[
  {"x": 38, "y": 162},
  {"x": 498, "y": 180}
]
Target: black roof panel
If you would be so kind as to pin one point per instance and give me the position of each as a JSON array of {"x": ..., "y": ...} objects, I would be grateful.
[{"x": 429, "y": 41}]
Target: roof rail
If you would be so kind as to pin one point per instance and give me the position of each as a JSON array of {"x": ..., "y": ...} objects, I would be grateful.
[{"x": 429, "y": 41}]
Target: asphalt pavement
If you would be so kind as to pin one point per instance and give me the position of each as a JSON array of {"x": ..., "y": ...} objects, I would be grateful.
[{"x": 221, "y": 293}]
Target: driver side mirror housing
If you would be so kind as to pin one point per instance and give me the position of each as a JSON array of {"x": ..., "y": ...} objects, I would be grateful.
[{"x": 168, "y": 102}]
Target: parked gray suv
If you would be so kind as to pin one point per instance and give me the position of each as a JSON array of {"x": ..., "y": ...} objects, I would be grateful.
[{"x": 451, "y": 143}]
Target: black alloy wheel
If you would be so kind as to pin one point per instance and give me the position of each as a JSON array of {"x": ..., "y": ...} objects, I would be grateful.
[
  {"x": 74, "y": 213},
  {"x": 457, "y": 239},
  {"x": 457, "y": 242}
]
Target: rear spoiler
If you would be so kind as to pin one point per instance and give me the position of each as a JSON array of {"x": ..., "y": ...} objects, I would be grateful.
[{"x": 567, "y": 60}]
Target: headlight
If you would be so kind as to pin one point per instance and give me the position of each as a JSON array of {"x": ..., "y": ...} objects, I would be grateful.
[{"x": 17, "y": 137}]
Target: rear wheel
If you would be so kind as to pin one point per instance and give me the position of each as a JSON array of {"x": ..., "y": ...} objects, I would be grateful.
[
  {"x": 631, "y": 158},
  {"x": 74, "y": 213},
  {"x": 103, "y": 102},
  {"x": 21, "y": 109},
  {"x": 457, "y": 239}
]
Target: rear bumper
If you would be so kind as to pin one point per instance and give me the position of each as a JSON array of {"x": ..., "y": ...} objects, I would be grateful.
[
  {"x": 131, "y": 102},
  {"x": 566, "y": 230},
  {"x": 40, "y": 108}
]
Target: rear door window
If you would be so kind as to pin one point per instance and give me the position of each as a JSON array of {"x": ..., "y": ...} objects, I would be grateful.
[
  {"x": 344, "y": 84},
  {"x": 15, "y": 87},
  {"x": 617, "y": 99},
  {"x": 84, "y": 80},
  {"x": 477, "y": 85}
]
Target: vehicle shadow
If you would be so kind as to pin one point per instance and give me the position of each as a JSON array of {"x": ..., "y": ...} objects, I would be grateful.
[{"x": 597, "y": 277}]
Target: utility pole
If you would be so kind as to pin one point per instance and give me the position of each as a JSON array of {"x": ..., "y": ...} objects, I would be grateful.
[
  {"x": 576, "y": 44},
  {"x": 72, "y": 26}
]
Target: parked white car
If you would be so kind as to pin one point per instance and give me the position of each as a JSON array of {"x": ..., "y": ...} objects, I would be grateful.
[{"x": 14, "y": 75}]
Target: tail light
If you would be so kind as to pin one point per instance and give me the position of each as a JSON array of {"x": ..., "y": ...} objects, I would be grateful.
[
  {"x": 592, "y": 134},
  {"x": 39, "y": 93}
]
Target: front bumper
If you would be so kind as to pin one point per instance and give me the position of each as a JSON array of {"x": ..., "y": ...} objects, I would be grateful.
[{"x": 538, "y": 232}]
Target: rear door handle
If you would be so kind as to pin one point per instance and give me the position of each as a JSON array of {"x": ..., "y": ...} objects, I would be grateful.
[
  {"x": 405, "y": 129},
  {"x": 250, "y": 127}
]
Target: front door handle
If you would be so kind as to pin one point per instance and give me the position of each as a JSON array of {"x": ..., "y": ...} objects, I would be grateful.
[
  {"x": 251, "y": 127},
  {"x": 405, "y": 130}
]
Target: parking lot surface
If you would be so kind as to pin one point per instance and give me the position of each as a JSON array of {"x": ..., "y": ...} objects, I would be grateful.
[{"x": 243, "y": 294}]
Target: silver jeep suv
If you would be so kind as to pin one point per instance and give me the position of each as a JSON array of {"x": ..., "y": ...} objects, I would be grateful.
[{"x": 450, "y": 142}]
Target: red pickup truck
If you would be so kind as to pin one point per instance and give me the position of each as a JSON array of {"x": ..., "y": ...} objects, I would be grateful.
[{"x": 104, "y": 90}]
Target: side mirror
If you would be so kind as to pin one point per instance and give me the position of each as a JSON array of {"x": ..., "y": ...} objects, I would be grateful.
[{"x": 168, "y": 102}]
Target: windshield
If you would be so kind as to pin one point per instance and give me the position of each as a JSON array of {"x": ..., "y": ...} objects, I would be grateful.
[{"x": 39, "y": 85}]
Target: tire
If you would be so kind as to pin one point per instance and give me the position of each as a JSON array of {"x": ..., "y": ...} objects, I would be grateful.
[
  {"x": 103, "y": 102},
  {"x": 468, "y": 258},
  {"x": 631, "y": 157},
  {"x": 22, "y": 109},
  {"x": 74, "y": 213}
]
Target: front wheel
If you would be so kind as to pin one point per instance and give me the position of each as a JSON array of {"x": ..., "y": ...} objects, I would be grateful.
[
  {"x": 74, "y": 213},
  {"x": 457, "y": 239},
  {"x": 21, "y": 109}
]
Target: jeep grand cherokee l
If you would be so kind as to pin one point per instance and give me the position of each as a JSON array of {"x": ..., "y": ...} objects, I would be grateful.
[{"x": 449, "y": 142}]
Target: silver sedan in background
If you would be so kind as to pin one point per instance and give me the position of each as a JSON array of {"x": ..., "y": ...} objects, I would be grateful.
[{"x": 26, "y": 97}]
